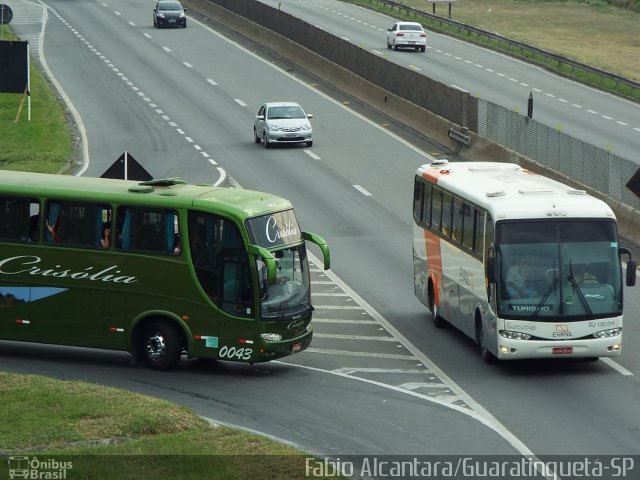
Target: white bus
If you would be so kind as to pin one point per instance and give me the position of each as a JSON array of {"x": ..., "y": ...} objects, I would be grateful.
[{"x": 524, "y": 265}]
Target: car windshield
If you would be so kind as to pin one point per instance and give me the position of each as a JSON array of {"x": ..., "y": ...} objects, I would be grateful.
[
  {"x": 558, "y": 270},
  {"x": 292, "y": 111},
  {"x": 290, "y": 295},
  {"x": 170, "y": 6}
]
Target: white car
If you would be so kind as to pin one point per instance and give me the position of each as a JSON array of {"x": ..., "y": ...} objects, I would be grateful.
[
  {"x": 407, "y": 35},
  {"x": 282, "y": 122}
]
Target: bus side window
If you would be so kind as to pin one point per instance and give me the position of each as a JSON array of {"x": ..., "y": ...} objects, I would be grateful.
[
  {"x": 15, "y": 219},
  {"x": 468, "y": 221},
  {"x": 426, "y": 204},
  {"x": 147, "y": 230},
  {"x": 456, "y": 223},
  {"x": 418, "y": 193},
  {"x": 478, "y": 243},
  {"x": 436, "y": 208},
  {"x": 212, "y": 241},
  {"x": 447, "y": 207}
]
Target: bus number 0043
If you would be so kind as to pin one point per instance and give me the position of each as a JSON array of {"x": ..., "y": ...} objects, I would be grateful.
[{"x": 233, "y": 352}]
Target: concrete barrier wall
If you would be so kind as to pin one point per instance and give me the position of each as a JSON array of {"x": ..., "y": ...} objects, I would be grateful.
[{"x": 391, "y": 100}]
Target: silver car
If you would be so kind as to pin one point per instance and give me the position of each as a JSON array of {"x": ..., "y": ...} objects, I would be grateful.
[{"x": 282, "y": 122}]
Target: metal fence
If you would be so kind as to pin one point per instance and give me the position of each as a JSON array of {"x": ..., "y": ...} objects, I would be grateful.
[{"x": 580, "y": 161}]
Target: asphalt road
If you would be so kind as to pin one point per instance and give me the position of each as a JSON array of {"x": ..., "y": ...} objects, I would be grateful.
[
  {"x": 378, "y": 371},
  {"x": 597, "y": 118}
]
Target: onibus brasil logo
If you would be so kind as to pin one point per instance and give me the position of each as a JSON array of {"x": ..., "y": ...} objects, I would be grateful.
[{"x": 36, "y": 468}]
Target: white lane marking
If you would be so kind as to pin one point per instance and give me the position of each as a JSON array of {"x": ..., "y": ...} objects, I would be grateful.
[
  {"x": 362, "y": 190},
  {"x": 338, "y": 336},
  {"x": 311, "y": 154},
  {"x": 616, "y": 366},
  {"x": 166, "y": 49},
  {"x": 212, "y": 82},
  {"x": 391, "y": 356},
  {"x": 240, "y": 102}
]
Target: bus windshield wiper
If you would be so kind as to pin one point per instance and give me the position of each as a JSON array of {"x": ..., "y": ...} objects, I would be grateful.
[{"x": 550, "y": 289}]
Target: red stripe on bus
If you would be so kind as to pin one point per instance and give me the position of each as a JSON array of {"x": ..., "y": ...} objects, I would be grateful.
[
  {"x": 434, "y": 262},
  {"x": 433, "y": 174}
]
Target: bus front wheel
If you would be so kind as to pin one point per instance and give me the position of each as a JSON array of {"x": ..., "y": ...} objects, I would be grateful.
[
  {"x": 481, "y": 339},
  {"x": 161, "y": 345}
]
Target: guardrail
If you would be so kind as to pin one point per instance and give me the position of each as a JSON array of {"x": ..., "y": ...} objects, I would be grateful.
[{"x": 526, "y": 51}]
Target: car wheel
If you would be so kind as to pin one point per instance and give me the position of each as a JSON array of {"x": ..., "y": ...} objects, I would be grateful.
[
  {"x": 388, "y": 45},
  {"x": 185, "y": 24},
  {"x": 265, "y": 140},
  {"x": 422, "y": 49},
  {"x": 395, "y": 47},
  {"x": 155, "y": 25},
  {"x": 256, "y": 138},
  {"x": 310, "y": 143},
  {"x": 417, "y": 49}
]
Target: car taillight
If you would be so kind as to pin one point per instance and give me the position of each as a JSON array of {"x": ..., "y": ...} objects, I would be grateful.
[
  {"x": 423, "y": 34},
  {"x": 400, "y": 34}
]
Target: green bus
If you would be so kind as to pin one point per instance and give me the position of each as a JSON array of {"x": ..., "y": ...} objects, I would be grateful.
[{"x": 158, "y": 268}]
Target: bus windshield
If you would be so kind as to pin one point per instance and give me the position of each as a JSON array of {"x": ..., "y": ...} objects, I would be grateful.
[
  {"x": 290, "y": 295},
  {"x": 552, "y": 270}
]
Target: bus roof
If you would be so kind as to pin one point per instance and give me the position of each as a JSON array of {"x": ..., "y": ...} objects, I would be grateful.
[
  {"x": 165, "y": 193},
  {"x": 509, "y": 191}
]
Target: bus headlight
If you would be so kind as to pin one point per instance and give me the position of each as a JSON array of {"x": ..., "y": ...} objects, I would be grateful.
[
  {"x": 612, "y": 332},
  {"x": 271, "y": 337},
  {"x": 514, "y": 335}
]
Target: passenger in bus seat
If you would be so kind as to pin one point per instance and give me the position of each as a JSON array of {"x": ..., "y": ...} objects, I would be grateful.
[
  {"x": 177, "y": 246},
  {"x": 31, "y": 235},
  {"x": 518, "y": 278},
  {"x": 53, "y": 231},
  {"x": 105, "y": 237}
]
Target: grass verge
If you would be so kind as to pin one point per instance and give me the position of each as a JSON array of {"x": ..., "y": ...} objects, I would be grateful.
[
  {"x": 110, "y": 433},
  {"x": 42, "y": 144}
]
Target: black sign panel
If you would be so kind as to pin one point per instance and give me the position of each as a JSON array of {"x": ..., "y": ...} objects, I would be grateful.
[
  {"x": 274, "y": 230},
  {"x": 6, "y": 14},
  {"x": 634, "y": 183},
  {"x": 133, "y": 170},
  {"x": 14, "y": 66}
]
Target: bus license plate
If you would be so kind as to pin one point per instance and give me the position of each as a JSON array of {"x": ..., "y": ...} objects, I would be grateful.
[
  {"x": 562, "y": 350},
  {"x": 296, "y": 347}
]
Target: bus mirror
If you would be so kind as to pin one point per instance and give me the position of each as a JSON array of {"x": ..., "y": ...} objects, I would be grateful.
[
  {"x": 269, "y": 260},
  {"x": 631, "y": 273},
  {"x": 312, "y": 237}
]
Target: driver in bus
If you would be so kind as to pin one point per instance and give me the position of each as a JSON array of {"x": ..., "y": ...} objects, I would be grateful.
[
  {"x": 518, "y": 277},
  {"x": 583, "y": 276}
]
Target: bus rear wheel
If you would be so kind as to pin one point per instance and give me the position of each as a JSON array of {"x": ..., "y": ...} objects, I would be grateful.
[
  {"x": 161, "y": 345},
  {"x": 437, "y": 320}
]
